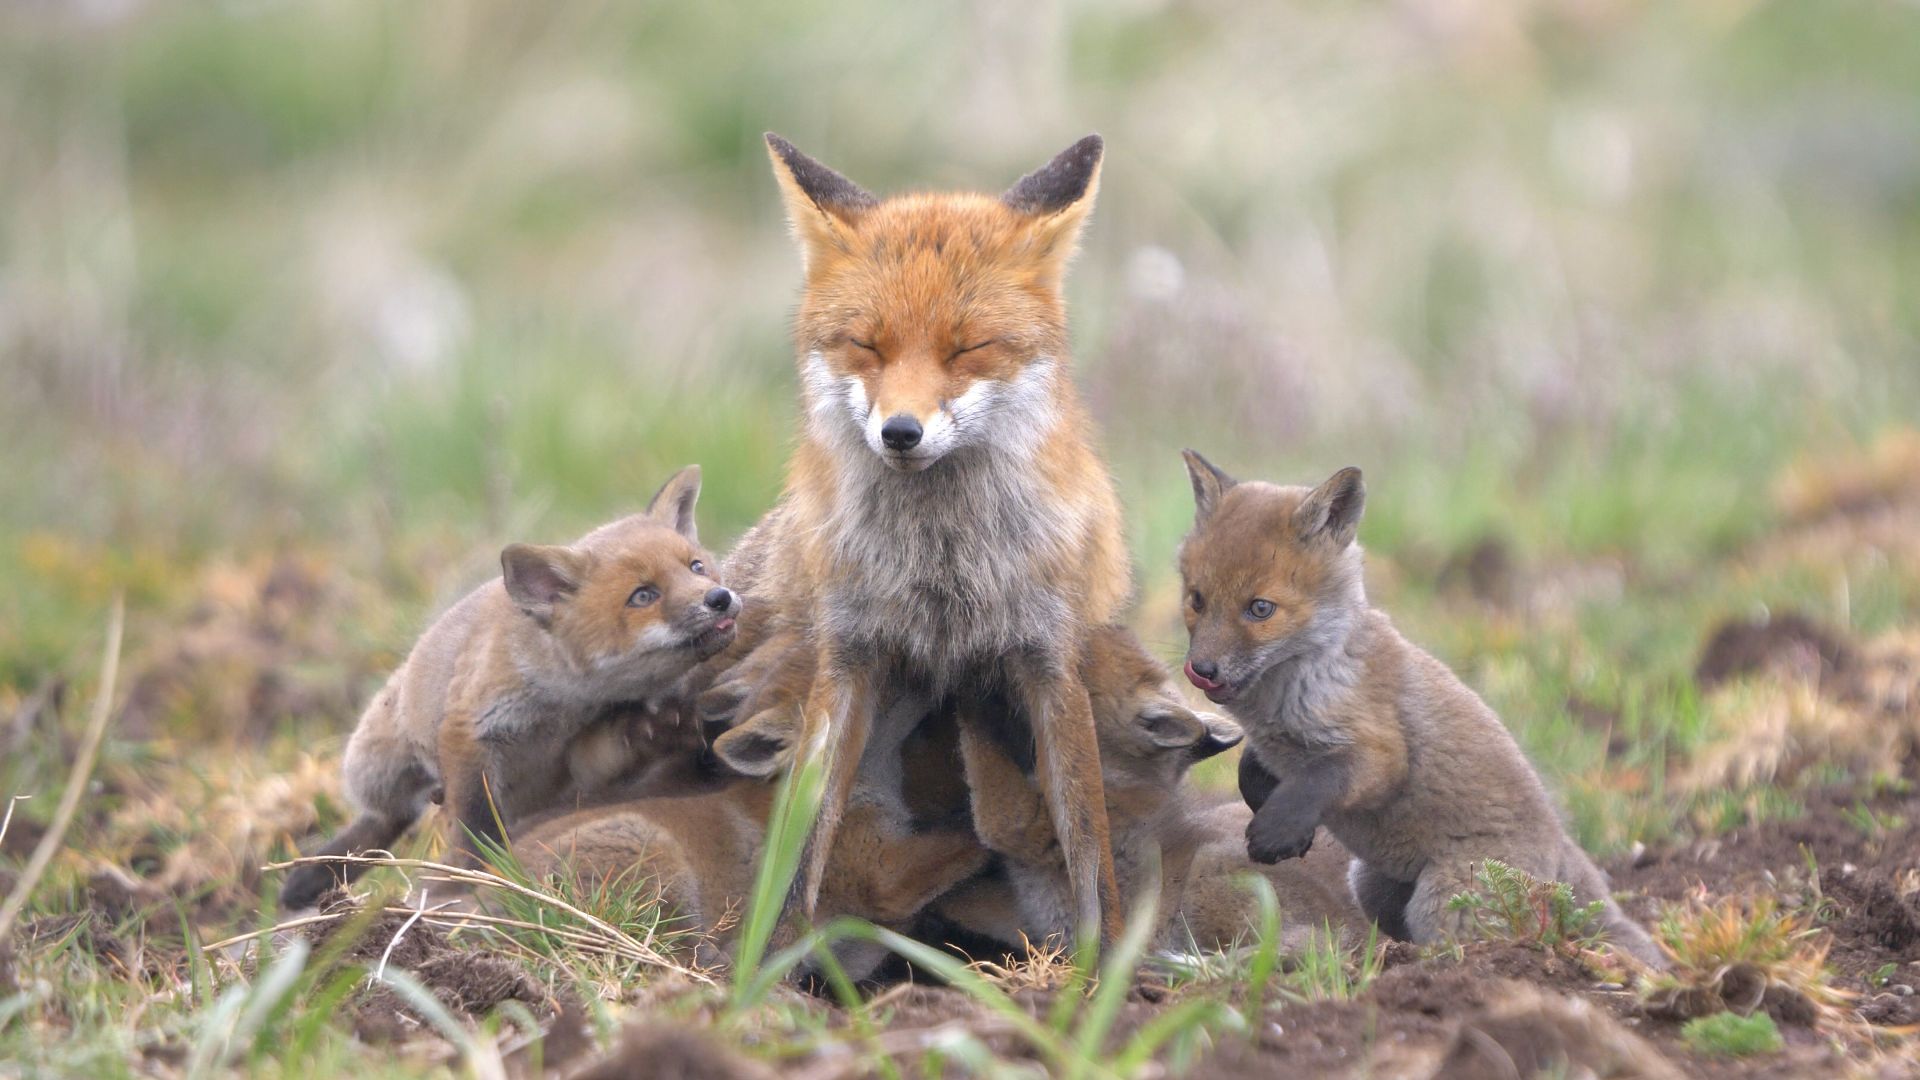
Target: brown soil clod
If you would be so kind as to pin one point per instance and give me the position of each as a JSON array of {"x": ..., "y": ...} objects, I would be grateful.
[
  {"x": 1528, "y": 1033},
  {"x": 664, "y": 1052},
  {"x": 1787, "y": 641}
]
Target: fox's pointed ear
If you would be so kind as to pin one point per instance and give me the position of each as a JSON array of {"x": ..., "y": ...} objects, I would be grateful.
[
  {"x": 1333, "y": 509},
  {"x": 538, "y": 577},
  {"x": 1222, "y": 735},
  {"x": 672, "y": 505},
  {"x": 1170, "y": 726},
  {"x": 1058, "y": 196},
  {"x": 821, "y": 204},
  {"x": 1209, "y": 484},
  {"x": 759, "y": 747}
]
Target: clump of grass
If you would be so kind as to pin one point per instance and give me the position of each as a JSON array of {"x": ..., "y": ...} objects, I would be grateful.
[
  {"x": 1326, "y": 969},
  {"x": 1043, "y": 966},
  {"x": 553, "y": 918},
  {"x": 1738, "y": 954},
  {"x": 1729, "y": 1035},
  {"x": 1872, "y": 823},
  {"x": 1322, "y": 967},
  {"x": 1508, "y": 904}
]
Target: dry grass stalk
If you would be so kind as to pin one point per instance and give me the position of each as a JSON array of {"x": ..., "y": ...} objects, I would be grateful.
[{"x": 76, "y": 778}]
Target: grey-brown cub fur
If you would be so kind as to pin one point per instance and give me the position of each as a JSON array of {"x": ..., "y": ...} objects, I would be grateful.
[{"x": 1350, "y": 725}]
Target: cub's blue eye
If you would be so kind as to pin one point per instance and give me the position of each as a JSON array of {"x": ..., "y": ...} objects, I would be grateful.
[
  {"x": 1260, "y": 610},
  {"x": 697, "y": 566},
  {"x": 642, "y": 596}
]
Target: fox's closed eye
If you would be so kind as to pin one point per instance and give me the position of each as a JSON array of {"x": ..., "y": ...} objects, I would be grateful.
[
  {"x": 1260, "y": 610},
  {"x": 867, "y": 345},
  {"x": 642, "y": 596},
  {"x": 963, "y": 350}
]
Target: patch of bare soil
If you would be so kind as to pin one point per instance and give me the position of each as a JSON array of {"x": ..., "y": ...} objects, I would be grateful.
[
  {"x": 469, "y": 982},
  {"x": 1787, "y": 640},
  {"x": 1496, "y": 1010},
  {"x": 667, "y": 1052}
]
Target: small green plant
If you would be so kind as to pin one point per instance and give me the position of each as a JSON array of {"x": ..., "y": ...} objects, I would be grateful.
[
  {"x": 1871, "y": 822},
  {"x": 1729, "y": 1035},
  {"x": 1327, "y": 970},
  {"x": 1507, "y": 904},
  {"x": 1883, "y": 974}
]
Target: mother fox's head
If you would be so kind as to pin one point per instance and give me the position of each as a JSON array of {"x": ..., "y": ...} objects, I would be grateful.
[{"x": 933, "y": 322}]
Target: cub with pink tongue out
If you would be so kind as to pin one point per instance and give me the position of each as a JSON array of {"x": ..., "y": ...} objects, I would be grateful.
[{"x": 1350, "y": 725}]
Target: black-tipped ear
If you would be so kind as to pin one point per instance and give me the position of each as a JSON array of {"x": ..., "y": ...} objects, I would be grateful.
[
  {"x": 821, "y": 203},
  {"x": 1170, "y": 726},
  {"x": 538, "y": 577},
  {"x": 1333, "y": 509},
  {"x": 1222, "y": 735},
  {"x": 1209, "y": 484},
  {"x": 1069, "y": 178},
  {"x": 823, "y": 187},
  {"x": 1056, "y": 200},
  {"x": 758, "y": 748},
  {"x": 672, "y": 505}
]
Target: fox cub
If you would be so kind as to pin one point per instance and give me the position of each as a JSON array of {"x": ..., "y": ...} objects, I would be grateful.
[
  {"x": 503, "y": 704},
  {"x": 1349, "y": 723},
  {"x": 1163, "y": 836},
  {"x": 702, "y": 851}
]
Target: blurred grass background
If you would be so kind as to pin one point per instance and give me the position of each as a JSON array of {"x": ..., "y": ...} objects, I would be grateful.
[{"x": 386, "y": 286}]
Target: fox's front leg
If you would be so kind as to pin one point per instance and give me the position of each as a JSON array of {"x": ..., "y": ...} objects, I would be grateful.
[
  {"x": 1067, "y": 764},
  {"x": 1289, "y": 808},
  {"x": 474, "y": 808},
  {"x": 833, "y": 736}
]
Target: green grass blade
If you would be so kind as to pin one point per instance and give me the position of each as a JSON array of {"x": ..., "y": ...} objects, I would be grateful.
[
  {"x": 1266, "y": 947},
  {"x": 1116, "y": 982},
  {"x": 794, "y": 809}
]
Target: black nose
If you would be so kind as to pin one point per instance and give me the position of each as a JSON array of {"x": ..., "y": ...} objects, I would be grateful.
[
  {"x": 1206, "y": 669},
  {"x": 901, "y": 432},
  {"x": 719, "y": 599}
]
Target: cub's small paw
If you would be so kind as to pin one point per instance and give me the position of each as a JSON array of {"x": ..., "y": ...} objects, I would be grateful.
[{"x": 1276, "y": 839}]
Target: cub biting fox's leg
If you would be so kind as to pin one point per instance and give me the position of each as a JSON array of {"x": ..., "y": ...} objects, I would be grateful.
[
  {"x": 1350, "y": 724},
  {"x": 1165, "y": 837},
  {"x": 500, "y": 706}
]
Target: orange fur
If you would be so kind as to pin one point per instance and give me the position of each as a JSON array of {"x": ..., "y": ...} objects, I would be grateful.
[
  {"x": 508, "y": 701},
  {"x": 944, "y": 312}
]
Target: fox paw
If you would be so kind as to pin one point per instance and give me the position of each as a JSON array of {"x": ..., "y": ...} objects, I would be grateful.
[{"x": 1273, "y": 838}]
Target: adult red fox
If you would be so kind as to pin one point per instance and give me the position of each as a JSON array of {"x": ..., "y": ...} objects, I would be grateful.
[{"x": 947, "y": 530}]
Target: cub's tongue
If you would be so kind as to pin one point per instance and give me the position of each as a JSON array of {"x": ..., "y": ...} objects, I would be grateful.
[{"x": 1200, "y": 680}]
